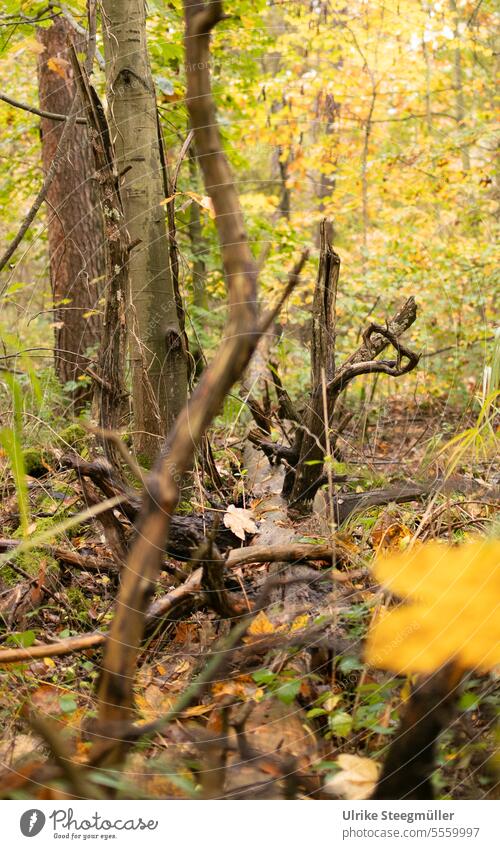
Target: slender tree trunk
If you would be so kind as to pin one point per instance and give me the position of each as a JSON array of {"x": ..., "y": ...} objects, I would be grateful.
[
  {"x": 158, "y": 356},
  {"x": 198, "y": 243},
  {"x": 364, "y": 174},
  {"x": 75, "y": 228},
  {"x": 427, "y": 60},
  {"x": 458, "y": 85}
]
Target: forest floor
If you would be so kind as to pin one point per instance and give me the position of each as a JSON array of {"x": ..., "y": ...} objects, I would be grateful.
[{"x": 296, "y": 692}]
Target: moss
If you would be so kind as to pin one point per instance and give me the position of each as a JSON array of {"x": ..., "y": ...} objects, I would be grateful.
[
  {"x": 74, "y": 435},
  {"x": 78, "y": 602},
  {"x": 30, "y": 562},
  {"x": 143, "y": 461},
  {"x": 35, "y": 462}
]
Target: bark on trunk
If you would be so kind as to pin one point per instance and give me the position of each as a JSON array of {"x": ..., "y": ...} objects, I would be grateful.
[
  {"x": 198, "y": 243},
  {"x": 75, "y": 228},
  {"x": 458, "y": 84},
  {"x": 158, "y": 357},
  {"x": 310, "y": 443}
]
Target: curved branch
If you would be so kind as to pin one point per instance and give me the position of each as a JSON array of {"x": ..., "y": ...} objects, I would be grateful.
[{"x": 390, "y": 367}]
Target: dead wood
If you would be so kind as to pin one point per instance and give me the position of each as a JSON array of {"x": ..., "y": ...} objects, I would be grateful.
[
  {"x": 301, "y": 483},
  {"x": 309, "y": 442},
  {"x": 347, "y": 505},
  {"x": 159, "y": 609},
  {"x": 186, "y": 532}
]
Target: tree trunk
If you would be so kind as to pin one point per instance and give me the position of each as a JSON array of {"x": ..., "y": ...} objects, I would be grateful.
[
  {"x": 158, "y": 356},
  {"x": 198, "y": 243},
  {"x": 310, "y": 442},
  {"x": 75, "y": 228},
  {"x": 458, "y": 84}
]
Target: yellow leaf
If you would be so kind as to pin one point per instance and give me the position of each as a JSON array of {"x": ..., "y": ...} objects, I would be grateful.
[
  {"x": 59, "y": 66},
  {"x": 33, "y": 45},
  {"x": 452, "y": 612},
  {"x": 261, "y": 625},
  {"x": 198, "y": 710}
]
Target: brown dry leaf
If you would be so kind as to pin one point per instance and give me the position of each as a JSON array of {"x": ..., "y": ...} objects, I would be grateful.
[
  {"x": 186, "y": 632},
  {"x": 59, "y": 66},
  {"x": 357, "y": 777},
  {"x": 153, "y": 703},
  {"x": 239, "y": 521},
  {"x": 241, "y": 688}
]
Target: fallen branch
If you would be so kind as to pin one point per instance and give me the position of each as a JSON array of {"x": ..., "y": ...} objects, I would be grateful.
[
  {"x": 297, "y": 552},
  {"x": 157, "y": 610},
  {"x": 67, "y": 646}
]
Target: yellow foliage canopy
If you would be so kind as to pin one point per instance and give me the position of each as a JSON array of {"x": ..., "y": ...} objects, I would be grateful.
[{"x": 452, "y": 609}]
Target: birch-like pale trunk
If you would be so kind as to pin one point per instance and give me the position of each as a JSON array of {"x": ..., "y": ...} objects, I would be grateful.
[{"x": 157, "y": 352}]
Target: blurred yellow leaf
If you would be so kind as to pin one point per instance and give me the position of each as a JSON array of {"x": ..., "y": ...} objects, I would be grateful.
[
  {"x": 300, "y": 622},
  {"x": 453, "y": 610},
  {"x": 59, "y": 66},
  {"x": 198, "y": 710},
  {"x": 357, "y": 777}
]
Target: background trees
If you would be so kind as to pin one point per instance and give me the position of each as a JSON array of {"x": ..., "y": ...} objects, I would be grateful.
[
  {"x": 378, "y": 116},
  {"x": 363, "y": 115}
]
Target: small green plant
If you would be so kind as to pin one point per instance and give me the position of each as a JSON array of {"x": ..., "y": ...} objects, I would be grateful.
[{"x": 11, "y": 441}]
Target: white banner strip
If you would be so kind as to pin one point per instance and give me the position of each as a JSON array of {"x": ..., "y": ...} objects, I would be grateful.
[{"x": 249, "y": 825}]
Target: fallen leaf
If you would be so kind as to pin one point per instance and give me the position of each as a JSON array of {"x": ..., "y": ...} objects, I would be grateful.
[
  {"x": 357, "y": 777},
  {"x": 239, "y": 521},
  {"x": 261, "y": 625}
]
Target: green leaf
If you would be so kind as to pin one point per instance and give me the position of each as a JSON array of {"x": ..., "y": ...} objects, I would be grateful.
[
  {"x": 23, "y": 640},
  {"x": 287, "y": 692},
  {"x": 469, "y": 701},
  {"x": 311, "y": 714},
  {"x": 340, "y": 723},
  {"x": 263, "y": 676},
  {"x": 67, "y": 703}
]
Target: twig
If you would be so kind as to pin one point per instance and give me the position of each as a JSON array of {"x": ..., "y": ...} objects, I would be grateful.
[{"x": 54, "y": 116}]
